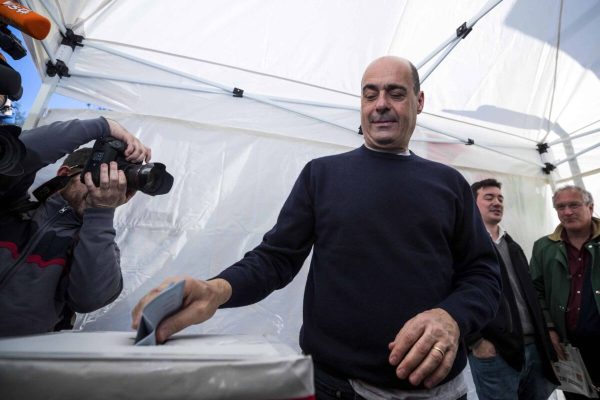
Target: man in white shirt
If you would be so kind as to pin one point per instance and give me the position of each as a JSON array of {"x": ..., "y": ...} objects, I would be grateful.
[{"x": 511, "y": 357}]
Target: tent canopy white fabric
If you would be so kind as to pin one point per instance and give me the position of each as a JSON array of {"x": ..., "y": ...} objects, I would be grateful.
[
  {"x": 526, "y": 77},
  {"x": 527, "y": 74}
]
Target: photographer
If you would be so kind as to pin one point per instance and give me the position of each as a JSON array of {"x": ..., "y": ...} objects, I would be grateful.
[{"x": 59, "y": 256}]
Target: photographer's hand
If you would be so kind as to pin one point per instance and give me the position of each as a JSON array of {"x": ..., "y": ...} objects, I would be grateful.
[
  {"x": 136, "y": 151},
  {"x": 112, "y": 191}
]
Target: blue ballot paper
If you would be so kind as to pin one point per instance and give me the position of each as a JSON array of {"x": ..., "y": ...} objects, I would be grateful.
[{"x": 167, "y": 303}]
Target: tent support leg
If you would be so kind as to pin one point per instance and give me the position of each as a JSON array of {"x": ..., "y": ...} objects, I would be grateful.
[{"x": 40, "y": 103}]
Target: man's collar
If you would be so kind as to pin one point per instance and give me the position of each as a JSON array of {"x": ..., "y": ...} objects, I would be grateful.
[
  {"x": 557, "y": 234},
  {"x": 501, "y": 233},
  {"x": 402, "y": 153}
]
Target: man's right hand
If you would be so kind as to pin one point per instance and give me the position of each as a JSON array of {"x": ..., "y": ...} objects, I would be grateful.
[
  {"x": 201, "y": 299},
  {"x": 558, "y": 347}
]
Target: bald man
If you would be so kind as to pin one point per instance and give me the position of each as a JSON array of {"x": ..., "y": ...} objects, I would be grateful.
[{"x": 402, "y": 266}]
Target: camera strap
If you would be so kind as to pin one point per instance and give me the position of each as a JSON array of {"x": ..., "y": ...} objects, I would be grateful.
[
  {"x": 50, "y": 187},
  {"x": 20, "y": 207},
  {"x": 55, "y": 184}
]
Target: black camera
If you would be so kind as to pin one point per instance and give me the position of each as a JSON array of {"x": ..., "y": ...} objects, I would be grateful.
[
  {"x": 12, "y": 150},
  {"x": 151, "y": 178}
]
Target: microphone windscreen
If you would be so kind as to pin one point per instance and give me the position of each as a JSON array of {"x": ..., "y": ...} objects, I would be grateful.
[{"x": 25, "y": 20}]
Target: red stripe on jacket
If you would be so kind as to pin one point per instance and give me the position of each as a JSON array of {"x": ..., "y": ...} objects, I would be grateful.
[{"x": 34, "y": 259}]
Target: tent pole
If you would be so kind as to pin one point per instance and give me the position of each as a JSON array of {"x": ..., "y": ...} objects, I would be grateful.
[
  {"x": 586, "y": 126},
  {"x": 43, "y": 41},
  {"x": 49, "y": 84},
  {"x": 480, "y": 126},
  {"x": 438, "y": 61},
  {"x": 76, "y": 73},
  {"x": 574, "y": 166},
  {"x": 81, "y": 74},
  {"x": 575, "y": 155},
  {"x": 558, "y": 141},
  {"x": 57, "y": 21},
  {"x": 224, "y": 88},
  {"x": 567, "y": 141},
  {"x": 102, "y": 7},
  {"x": 158, "y": 66},
  {"x": 48, "y": 88},
  {"x": 570, "y": 152},
  {"x": 582, "y": 175},
  {"x": 90, "y": 43},
  {"x": 40, "y": 103},
  {"x": 482, "y": 146},
  {"x": 469, "y": 25}
]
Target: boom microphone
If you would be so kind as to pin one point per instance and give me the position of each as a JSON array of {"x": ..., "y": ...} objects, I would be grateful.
[{"x": 24, "y": 19}]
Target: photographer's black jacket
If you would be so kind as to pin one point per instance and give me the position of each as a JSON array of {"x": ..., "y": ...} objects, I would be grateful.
[{"x": 49, "y": 256}]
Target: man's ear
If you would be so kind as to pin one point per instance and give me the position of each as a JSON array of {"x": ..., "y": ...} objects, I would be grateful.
[
  {"x": 420, "y": 102},
  {"x": 64, "y": 170}
]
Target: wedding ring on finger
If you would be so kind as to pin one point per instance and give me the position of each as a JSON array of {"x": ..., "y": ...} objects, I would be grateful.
[{"x": 439, "y": 350}]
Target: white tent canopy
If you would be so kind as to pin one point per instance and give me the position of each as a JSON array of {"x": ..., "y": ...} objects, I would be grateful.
[{"x": 526, "y": 77}]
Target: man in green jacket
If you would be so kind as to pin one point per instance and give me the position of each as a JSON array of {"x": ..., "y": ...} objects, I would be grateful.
[{"x": 565, "y": 268}]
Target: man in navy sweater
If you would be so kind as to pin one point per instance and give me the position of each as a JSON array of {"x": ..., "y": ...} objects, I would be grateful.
[{"x": 402, "y": 267}]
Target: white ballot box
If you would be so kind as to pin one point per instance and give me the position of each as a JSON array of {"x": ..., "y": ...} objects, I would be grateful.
[{"x": 107, "y": 365}]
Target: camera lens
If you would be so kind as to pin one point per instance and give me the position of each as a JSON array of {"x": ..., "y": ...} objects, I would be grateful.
[
  {"x": 151, "y": 178},
  {"x": 12, "y": 151}
]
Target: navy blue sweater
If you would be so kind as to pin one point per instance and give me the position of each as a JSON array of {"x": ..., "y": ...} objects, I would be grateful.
[{"x": 393, "y": 236}]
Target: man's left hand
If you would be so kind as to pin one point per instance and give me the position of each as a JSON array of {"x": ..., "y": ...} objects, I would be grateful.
[
  {"x": 135, "y": 150},
  {"x": 425, "y": 348}
]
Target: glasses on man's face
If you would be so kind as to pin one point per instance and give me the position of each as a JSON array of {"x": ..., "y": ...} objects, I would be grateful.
[{"x": 572, "y": 206}]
